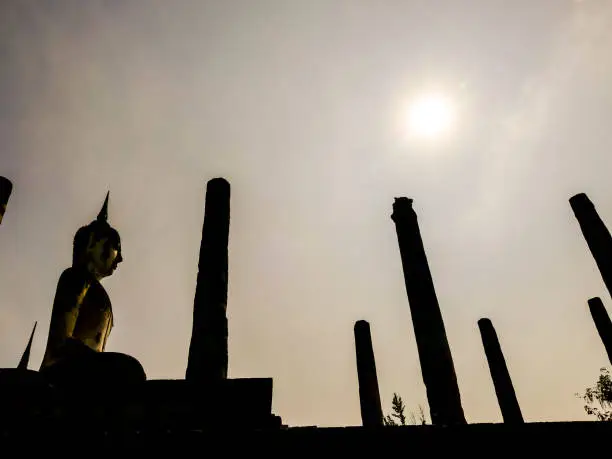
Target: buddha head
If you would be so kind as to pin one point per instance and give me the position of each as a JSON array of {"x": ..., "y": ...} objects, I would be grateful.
[{"x": 97, "y": 246}]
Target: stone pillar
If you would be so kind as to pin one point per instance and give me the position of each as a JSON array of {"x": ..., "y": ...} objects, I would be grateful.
[
  {"x": 602, "y": 323},
  {"x": 369, "y": 395},
  {"x": 506, "y": 397},
  {"x": 208, "y": 347},
  {"x": 6, "y": 187},
  {"x": 434, "y": 352},
  {"x": 596, "y": 234}
]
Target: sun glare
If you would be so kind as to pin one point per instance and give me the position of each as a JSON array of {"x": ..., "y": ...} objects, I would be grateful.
[{"x": 430, "y": 116}]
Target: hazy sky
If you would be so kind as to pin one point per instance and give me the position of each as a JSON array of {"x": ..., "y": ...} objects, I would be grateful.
[{"x": 299, "y": 105}]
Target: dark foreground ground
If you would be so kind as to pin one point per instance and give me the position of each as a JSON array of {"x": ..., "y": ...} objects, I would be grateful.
[{"x": 575, "y": 439}]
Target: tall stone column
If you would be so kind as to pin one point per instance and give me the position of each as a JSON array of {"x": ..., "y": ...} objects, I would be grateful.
[
  {"x": 506, "y": 397},
  {"x": 369, "y": 394},
  {"x": 6, "y": 187},
  {"x": 208, "y": 347},
  {"x": 596, "y": 234},
  {"x": 434, "y": 352},
  {"x": 602, "y": 323}
]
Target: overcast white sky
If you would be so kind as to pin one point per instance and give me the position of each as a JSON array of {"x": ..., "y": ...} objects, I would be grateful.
[{"x": 297, "y": 104}]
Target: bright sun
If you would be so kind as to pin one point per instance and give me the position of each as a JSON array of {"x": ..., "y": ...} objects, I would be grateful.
[{"x": 430, "y": 116}]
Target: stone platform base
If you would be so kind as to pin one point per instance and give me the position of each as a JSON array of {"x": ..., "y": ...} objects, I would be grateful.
[{"x": 26, "y": 399}]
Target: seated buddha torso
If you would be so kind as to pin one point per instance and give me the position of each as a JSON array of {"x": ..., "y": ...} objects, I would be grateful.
[{"x": 81, "y": 318}]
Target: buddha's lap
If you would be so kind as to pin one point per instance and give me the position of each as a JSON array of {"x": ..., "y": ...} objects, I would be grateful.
[{"x": 96, "y": 367}]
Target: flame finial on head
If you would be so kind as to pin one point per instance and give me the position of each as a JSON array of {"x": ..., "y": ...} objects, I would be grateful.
[{"x": 103, "y": 215}]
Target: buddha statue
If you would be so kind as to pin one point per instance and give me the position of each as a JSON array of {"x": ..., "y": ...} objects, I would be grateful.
[{"x": 82, "y": 315}]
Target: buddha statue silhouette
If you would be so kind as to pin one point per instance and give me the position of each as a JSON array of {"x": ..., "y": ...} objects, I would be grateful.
[{"x": 82, "y": 315}]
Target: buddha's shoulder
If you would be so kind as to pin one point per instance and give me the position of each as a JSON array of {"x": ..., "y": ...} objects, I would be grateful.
[
  {"x": 80, "y": 280},
  {"x": 73, "y": 276}
]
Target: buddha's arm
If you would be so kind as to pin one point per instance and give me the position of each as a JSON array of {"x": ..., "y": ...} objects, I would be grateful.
[
  {"x": 71, "y": 290},
  {"x": 68, "y": 299}
]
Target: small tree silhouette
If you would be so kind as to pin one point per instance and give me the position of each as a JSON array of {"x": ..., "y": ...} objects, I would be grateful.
[
  {"x": 599, "y": 397},
  {"x": 422, "y": 420},
  {"x": 398, "y": 407}
]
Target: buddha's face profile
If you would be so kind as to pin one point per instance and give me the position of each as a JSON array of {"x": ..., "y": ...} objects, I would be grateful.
[{"x": 103, "y": 255}]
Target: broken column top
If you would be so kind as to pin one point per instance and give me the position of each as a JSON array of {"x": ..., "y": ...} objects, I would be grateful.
[
  {"x": 401, "y": 206},
  {"x": 5, "y": 183},
  {"x": 580, "y": 200},
  {"x": 218, "y": 181},
  {"x": 6, "y": 187},
  {"x": 217, "y": 192},
  {"x": 402, "y": 201}
]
